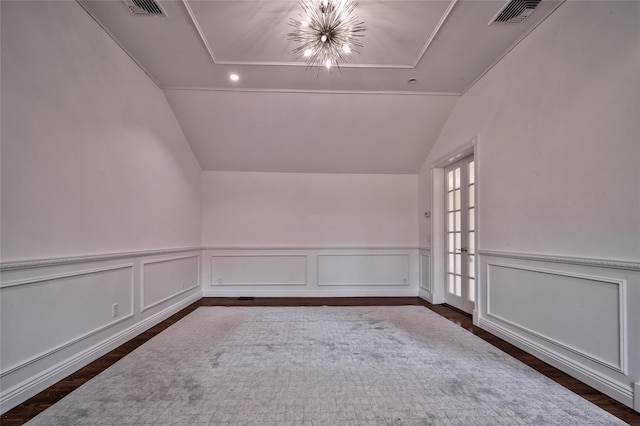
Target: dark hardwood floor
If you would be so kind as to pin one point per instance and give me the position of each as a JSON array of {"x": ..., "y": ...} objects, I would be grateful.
[{"x": 32, "y": 407}]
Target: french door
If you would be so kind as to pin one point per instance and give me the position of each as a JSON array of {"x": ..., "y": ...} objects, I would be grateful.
[{"x": 460, "y": 205}]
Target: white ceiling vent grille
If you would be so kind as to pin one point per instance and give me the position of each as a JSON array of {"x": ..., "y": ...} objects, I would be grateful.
[
  {"x": 144, "y": 7},
  {"x": 515, "y": 12}
]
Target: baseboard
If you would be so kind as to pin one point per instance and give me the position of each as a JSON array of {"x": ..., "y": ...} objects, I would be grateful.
[
  {"x": 302, "y": 292},
  {"x": 42, "y": 381},
  {"x": 606, "y": 385},
  {"x": 425, "y": 295}
]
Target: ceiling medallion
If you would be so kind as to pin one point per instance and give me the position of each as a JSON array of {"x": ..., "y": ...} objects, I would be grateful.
[{"x": 327, "y": 32}]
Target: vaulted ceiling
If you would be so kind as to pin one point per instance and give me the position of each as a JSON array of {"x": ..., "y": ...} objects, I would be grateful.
[{"x": 283, "y": 116}]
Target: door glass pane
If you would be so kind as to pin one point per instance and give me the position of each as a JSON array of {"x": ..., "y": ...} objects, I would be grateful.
[
  {"x": 451, "y": 262},
  {"x": 456, "y": 178},
  {"x": 472, "y": 266},
  {"x": 458, "y": 291},
  {"x": 472, "y": 219},
  {"x": 452, "y": 223},
  {"x": 450, "y": 201},
  {"x": 458, "y": 264},
  {"x": 450, "y": 180},
  {"x": 471, "y": 290},
  {"x": 472, "y": 171},
  {"x": 458, "y": 222},
  {"x": 472, "y": 196},
  {"x": 456, "y": 204},
  {"x": 451, "y": 242},
  {"x": 472, "y": 242},
  {"x": 451, "y": 285},
  {"x": 458, "y": 243}
]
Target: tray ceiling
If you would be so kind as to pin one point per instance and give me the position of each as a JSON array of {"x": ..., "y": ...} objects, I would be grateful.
[
  {"x": 281, "y": 116},
  {"x": 444, "y": 44}
]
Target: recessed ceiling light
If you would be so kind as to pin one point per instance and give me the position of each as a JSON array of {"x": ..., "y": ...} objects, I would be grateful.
[
  {"x": 412, "y": 81},
  {"x": 234, "y": 77}
]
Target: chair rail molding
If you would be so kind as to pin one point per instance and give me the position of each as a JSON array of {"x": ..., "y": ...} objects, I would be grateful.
[{"x": 581, "y": 261}]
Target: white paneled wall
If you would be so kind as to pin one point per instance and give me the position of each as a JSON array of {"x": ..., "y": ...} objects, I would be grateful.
[
  {"x": 363, "y": 270},
  {"x": 580, "y": 315},
  {"x": 258, "y": 270},
  {"x": 312, "y": 272},
  {"x": 426, "y": 283},
  {"x": 167, "y": 278},
  {"x": 58, "y": 316}
]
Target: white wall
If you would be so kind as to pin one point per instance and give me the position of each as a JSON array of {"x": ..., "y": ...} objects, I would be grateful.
[
  {"x": 295, "y": 234},
  {"x": 93, "y": 159},
  {"x": 559, "y": 137},
  {"x": 93, "y": 163},
  {"x": 558, "y": 159},
  {"x": 309, "y": 210}
]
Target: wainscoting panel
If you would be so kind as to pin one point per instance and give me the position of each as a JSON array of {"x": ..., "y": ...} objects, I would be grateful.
[
  {"x": 516, "y": 294},
  {"x": 577, "y": 314},
  {"x": 60, "y": 314},
  {"x": 310, "y": 271},
  {"x": 167, "y": 278},
  {"x": 75, "y": 305},
  {"x": 425, "y": 272},
  {"x": 370, "y": 269},
  {"x": 263, "y": 270}
]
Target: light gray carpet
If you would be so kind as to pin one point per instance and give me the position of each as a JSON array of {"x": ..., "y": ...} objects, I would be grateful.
[{"x": 402, "y": 365}]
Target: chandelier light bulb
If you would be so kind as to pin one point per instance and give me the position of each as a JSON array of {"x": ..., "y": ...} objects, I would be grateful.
[{"x": 326, "y": 32}]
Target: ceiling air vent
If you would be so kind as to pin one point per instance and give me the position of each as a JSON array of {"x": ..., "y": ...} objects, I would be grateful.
[
  {"x": 144, "y": 7},
  {"x": 515, "y": 11}
]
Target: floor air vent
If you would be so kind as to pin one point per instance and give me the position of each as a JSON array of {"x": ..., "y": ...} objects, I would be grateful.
[
  {"x": 144, "y": 7},
  {"x": 515, "y": 11}
]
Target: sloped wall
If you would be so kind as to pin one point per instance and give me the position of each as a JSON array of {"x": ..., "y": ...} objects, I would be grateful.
[
  {"x": 96, "y": 171},
  {"x": 558, "y": 149}
]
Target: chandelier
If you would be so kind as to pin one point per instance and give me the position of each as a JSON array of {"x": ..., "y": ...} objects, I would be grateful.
[{"x": 327, "y": 32}]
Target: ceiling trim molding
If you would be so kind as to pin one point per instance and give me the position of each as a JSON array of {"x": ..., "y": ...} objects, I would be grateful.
[
  {"x": 114, "y": 38},
  {"x": 196, "y": 24},
  {"x": 444, "y": 17},
  {"x": 304, "y": 64},
  {"x": 342, "y": 92},
  {"x": 209, "y": 49},
  {"x": 513, "y": 46}
]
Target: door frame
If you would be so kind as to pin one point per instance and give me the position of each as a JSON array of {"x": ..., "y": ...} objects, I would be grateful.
[{"x": 438, "y": 242}]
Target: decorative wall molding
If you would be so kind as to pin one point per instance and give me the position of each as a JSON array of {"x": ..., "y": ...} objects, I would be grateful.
[
  {"x": 57, "y": 261},
  {"x": 265, "y": 256},
  {"x": 581, "y": 261},
  {"x": 143, "y": 305},
  {"x": 425, "y": 263},
  {"x": 404, "y": 282},
  {"x": 621, "y": 366},
  {"x": 30, "y": 387},
  {"x": 52, "y": 277},
  {"x": 607, "y": 385},
  {"x": 305, "y": 248},
  {"x": 83, "y": 336}
]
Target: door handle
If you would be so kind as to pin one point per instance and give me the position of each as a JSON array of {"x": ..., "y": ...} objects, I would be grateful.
[{"x": 463, "y": 250}]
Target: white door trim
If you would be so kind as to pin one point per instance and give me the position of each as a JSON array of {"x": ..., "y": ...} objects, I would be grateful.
[{"x": 438, "y": 246}]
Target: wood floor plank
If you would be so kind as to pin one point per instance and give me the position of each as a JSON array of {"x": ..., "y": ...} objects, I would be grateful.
[{"x": 32, "y": 407}]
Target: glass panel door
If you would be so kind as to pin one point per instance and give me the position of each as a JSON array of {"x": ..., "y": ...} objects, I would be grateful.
[{"x": 460, "y": 234}]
